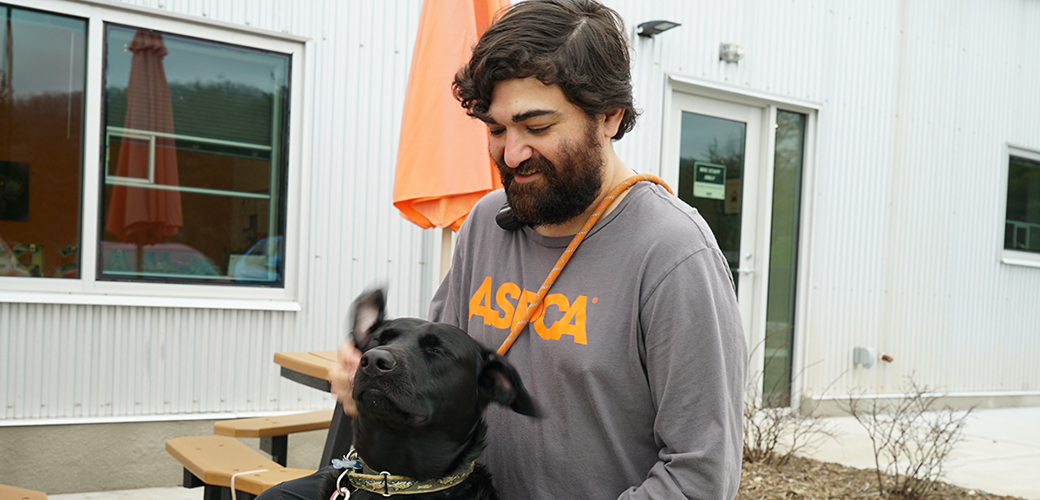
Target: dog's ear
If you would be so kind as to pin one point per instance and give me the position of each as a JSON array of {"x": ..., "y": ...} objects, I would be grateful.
[
  {"x": 500, "y": 383},
  {"x": 367, "y": 313}
]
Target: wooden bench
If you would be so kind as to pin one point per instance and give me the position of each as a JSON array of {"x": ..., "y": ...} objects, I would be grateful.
[
  {"x": 274, "y": 431},
  {"x": 213, "y": 461},
  {"x": 13, "y": 493}
]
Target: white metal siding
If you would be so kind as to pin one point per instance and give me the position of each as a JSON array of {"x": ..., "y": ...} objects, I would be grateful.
[
  {"x": 94, "y": 361},
  {"x": 918, "y": 100}
]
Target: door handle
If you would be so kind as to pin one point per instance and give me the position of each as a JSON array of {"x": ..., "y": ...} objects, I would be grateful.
[{"x": 743, "y": 270}]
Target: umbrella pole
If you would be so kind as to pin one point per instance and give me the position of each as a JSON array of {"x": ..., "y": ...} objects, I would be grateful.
[{"x": 445, "y": 252}]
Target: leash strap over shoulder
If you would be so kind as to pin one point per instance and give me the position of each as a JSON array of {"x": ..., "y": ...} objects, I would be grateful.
[{"x": 535, "y": 307}]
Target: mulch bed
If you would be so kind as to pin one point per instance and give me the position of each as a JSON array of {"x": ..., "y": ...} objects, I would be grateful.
[{"x": 805, "y": 478}]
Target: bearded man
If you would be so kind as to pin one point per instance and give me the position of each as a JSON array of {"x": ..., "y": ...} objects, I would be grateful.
[{"x": 635, "y": 353}]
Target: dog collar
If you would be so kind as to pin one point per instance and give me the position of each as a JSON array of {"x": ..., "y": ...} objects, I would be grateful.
[{"x": 386, "y": 484}]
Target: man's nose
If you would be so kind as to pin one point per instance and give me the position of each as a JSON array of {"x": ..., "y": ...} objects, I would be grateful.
[{"x": 516, "y": 150}]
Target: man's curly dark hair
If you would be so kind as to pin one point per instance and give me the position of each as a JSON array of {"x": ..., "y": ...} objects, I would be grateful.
[{"x": 578, "y": 45}]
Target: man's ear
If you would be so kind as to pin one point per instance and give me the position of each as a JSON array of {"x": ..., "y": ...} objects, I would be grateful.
[
  {"x": 500, "y": 383},
  {"x": 367, "y": 313},
  {"x": 612, "y": 122}
]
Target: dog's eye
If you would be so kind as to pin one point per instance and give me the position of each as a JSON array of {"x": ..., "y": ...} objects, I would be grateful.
[
  {"x": 431, "y": 344},
  {"x": 384, "y": 338}
]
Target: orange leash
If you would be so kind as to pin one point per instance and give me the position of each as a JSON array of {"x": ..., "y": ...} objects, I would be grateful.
[{"x": 523, "y": 319}]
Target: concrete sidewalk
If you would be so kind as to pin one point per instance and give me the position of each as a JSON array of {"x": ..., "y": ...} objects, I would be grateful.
[{"x": 1000, "y": 454}]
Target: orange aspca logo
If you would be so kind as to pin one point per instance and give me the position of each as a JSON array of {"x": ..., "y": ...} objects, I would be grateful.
[{"x": 509, "y": 299}]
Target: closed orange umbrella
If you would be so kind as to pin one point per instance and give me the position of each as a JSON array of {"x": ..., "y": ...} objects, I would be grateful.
[
  {"x": 443, "y": 166},
  {"x": 151, "y": 213}
]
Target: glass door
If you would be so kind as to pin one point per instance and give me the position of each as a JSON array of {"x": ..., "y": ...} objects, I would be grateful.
[
  {"x": 712, "y": 157},
  {"x": 744, "y": 177}
]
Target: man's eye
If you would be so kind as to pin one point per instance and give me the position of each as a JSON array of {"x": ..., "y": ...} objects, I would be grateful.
[
  {"x": 538, "y": 130},
  {"x": 496, "y": 131}
]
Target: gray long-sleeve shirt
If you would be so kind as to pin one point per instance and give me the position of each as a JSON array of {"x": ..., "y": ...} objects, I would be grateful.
[{"x": 637, "y": 358}]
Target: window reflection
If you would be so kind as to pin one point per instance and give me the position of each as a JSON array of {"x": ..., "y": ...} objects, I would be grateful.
[
  {"x": 788, "y": 166},
  {"x": 194, "y": 173},
  {"x": 42, "y": 76},
  {"x": 1022, "y": 224},
  {"x": 711, "y": 144}
]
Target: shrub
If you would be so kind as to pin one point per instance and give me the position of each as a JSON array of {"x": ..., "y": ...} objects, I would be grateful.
[
  {"x": 911, "y": 439},
  {"x": 773, "y": 431}
]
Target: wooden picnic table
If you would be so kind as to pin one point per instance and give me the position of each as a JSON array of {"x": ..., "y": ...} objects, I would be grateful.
[
  {"x": 312, "y": 369},
  {"x": 308, "y": 368}
]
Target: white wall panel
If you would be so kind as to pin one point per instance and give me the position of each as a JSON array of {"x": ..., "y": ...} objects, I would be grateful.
[
  {"x": 918, "y": 100},
  {"x": 100, "y": 362}
]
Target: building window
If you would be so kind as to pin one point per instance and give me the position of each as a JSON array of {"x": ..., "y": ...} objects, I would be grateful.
[
  {"x": 194, "y": 163},
  {"x": 146, "y": 156},
  {"x": 42, "y": 75},
  {"x": 781, "y": 295},
  {"x": 1022, "y": 221}
]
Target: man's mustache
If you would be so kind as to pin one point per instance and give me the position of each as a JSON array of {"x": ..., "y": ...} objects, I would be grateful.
[{"x": 526, "y": 167}]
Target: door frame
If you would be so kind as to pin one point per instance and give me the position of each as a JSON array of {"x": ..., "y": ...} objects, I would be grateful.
[
  {"x": 748, "y": 258},
  {"x": 767, "y": 105}
]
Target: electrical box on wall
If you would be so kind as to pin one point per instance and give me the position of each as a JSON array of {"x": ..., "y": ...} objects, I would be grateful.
[{"x": 864, "y": 356}]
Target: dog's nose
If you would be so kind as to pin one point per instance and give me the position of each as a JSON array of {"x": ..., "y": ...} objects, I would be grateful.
[{"x": 378, "y": 361}]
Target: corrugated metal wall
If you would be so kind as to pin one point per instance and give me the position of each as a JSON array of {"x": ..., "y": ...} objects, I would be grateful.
[
  {"x": 82, "y": 361},
  {"x": 918, "y": 100},
  {"x": 913, "y": 239}
]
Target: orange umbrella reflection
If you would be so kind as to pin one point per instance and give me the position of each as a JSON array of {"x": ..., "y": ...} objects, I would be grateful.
[
  {"x": 443, "y": 166},
  {"x": 151, "y": 213}
]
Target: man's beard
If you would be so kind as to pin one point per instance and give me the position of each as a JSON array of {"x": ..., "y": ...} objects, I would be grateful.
[{"x": 565, "y": 191}]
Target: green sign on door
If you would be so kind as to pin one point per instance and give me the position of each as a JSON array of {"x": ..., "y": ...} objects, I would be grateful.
[{"x": 709, "y": 181}]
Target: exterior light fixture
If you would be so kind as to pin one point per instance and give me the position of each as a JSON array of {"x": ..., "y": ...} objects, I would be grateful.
[{"x": 651, "y": 28}]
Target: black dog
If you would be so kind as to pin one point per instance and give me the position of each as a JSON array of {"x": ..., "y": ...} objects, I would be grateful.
[{"x": 421, "y": 391}]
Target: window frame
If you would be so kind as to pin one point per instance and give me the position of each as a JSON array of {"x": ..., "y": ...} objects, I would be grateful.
[
  {"x": 1015, "y": 257},
  {"x": 87, "y": 288}
]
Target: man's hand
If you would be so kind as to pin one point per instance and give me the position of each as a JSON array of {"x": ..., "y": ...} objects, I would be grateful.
[{"x": 341, "y": 376}]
